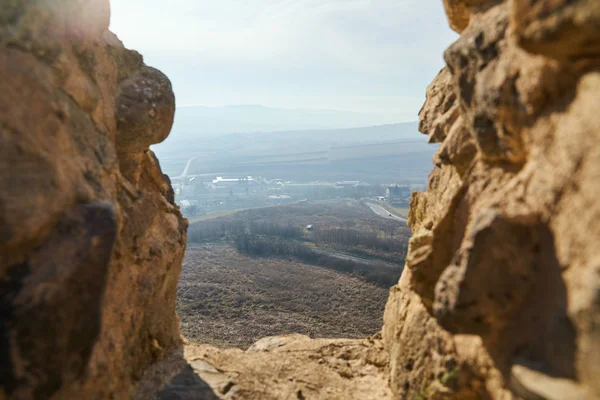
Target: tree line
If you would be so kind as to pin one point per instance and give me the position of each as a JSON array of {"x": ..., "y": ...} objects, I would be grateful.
[
  {"x": 354, "y": 237},
  {"x": 214, "y": 230},
  {"x": 268, "y": 246}
]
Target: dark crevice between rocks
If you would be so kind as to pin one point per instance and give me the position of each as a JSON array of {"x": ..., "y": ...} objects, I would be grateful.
[
  {"x": 38, "y": 297},
  {"x": 509, "y": 290},
  {"x": 187, "y": 386},
  {"x": 175, "y": 379},
  {"x": 10, "y": 286},
  {"x": 447, "y": 235}
]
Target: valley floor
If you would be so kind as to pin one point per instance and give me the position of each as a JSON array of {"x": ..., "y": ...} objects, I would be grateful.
[{"x": 231, "y": 300}]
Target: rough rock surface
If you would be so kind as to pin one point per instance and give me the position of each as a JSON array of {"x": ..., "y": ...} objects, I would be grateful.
[
  {"x": 90, "y": 241},
  {"x": 501, "y": 294},
  {"x": 500, "y": 298},
  {"x": 284, "y": 367}
]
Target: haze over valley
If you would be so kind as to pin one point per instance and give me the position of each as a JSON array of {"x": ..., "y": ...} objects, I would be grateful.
[{"x": 298, "y": 145}]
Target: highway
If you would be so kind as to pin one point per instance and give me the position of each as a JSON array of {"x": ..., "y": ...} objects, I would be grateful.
[
  {"x": 184, "y": 174},
  {"x": 187, "y": 167},
  {"x": 347, "y": 257},
  {"x": 382, "y": 212}
]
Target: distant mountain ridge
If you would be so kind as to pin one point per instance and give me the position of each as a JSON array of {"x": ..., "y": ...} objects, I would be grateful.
[
  {"x": 298, "y": 140},
  {"x": 203, "y": 121},
  {"x": 382, "y": 153},
  {"x": 301, "y": 145}
]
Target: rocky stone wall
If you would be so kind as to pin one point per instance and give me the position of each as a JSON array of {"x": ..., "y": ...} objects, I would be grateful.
[
  {"x": 91, "y": 241},
  {"x": 500, "y": 298},
  {"x": 501, "y": 294}
]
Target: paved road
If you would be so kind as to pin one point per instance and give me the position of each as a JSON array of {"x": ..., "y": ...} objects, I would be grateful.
[
  {"x": 347, "y": 257},
  {"x": 185, "y": 170},
  {"x": 330, "y": 253},
  {"x": 187, "y": 166},
  {"x": 382, "y": 212}
]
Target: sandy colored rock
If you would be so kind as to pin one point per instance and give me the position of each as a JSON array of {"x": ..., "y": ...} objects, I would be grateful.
[
  {"x": 285, "y": 367},
  {"x": 89, "y": 258},
  {"x": 567, "y": 30},
  {"x": 501, "y": 289},
  {"x": 500, "y": 295},
  {"x": 442, "y": 110},
  {"x": 459, "y": 12},
  {"x": 144, "y": 110}
]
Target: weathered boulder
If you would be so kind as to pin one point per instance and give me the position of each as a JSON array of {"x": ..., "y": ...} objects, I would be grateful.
[
  {"x": 90, "y": 241},
  {"x": 500, "y": 297},
  {"x": 285, "y": 367}
]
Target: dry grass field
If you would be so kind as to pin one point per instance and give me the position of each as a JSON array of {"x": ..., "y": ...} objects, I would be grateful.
[
  {"x": 332, "y": 213},
  {"x": 228, "y": 299},
  {"x": 341, "y": 225}
]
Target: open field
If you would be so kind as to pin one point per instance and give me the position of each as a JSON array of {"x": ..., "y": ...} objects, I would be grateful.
[
  {"x": 228, "y": 299},
  {"x": 346, "y": 226},
  {"x": 216, "y": 214},
  {"x": 321, "y": 214},
  {"x": 260, "y": 272}
]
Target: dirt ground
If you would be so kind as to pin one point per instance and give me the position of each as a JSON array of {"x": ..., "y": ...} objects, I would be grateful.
[{"x": 230, "y": 300}]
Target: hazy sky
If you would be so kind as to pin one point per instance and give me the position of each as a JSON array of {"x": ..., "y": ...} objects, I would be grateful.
[{"x": 373, "y": 56}]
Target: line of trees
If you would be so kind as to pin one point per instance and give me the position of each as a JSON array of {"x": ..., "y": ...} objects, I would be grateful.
[
  {"x": 213, "y": 230},
  {"x": 268, "y": 246},
  {"x": 286, "y": 231},
  {"x": 354, "y": 237}
]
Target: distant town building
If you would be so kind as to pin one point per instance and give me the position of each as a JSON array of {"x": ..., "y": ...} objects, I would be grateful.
[
  {"x": 309, "y": 185},
  {"x": 186, "y": 191},
  {"x": 187, "y": 203},
  {"x": 191, "y": 207},
  {"x": 280, "y": 197},
  {"x": 276, "y": 182},
  {"x": 397, "y": 194},
  {"x": 220, "y": 181},
  {"x": 350, "y": 184},
  {"x": 231, "y": 186}
]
